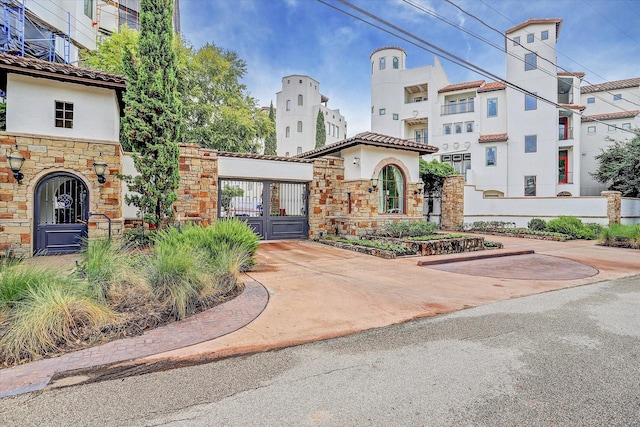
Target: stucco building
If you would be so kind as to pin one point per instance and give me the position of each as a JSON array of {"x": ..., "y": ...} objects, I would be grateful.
[
  {"x": 297, "y": 106},
  {"x": 506, "y": 139}
]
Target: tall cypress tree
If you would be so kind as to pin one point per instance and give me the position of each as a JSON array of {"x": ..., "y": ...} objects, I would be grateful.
[
  {"x": 152, "y": 117},
  {"x": 321, "y": 130},
  {"x": 270, "y": 142}
]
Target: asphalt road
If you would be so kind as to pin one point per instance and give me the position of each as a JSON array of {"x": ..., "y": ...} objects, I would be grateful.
[{"x": 570, "y": 357}]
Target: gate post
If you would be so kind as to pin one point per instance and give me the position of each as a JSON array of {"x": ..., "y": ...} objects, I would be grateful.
[{"x": 452, "y": 215}]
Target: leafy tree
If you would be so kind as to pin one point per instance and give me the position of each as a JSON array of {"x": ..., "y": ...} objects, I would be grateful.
[
  {"x": 227, "y": 194},
  {"x": 270, "y": 142},
  {"x": 108, "y": 57},
  {"x": 218, "y": 112},
  {"x": 433, "y": 174},
  {"x": 151, "y": 123},
  {"x": 321, "y": 131},
  {"x": 619, "y": 166}
]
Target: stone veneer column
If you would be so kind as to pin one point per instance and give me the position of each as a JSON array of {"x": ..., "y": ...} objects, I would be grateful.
[
  {"x": 452, "y": 202},
  {"x": 198, "y": 191},
  {"x": 614, "y": 205},
  {"x": 327, "y": 199}
]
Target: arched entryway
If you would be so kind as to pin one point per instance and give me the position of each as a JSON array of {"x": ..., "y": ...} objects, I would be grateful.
[{"x": 61, "y": 212}]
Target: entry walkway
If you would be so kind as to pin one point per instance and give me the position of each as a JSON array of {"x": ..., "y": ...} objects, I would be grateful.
[{"x": 318, "y": 292}]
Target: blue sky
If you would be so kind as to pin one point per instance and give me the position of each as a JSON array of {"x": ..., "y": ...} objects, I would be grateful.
[{"x": 282, "y": 37}]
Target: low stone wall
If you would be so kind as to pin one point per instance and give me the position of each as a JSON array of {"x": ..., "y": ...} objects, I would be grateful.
[
  {"x": 437, "y": 246},
  {"x": 381, "y": 253}
]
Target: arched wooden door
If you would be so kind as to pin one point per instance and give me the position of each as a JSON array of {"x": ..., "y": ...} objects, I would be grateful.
[{"x": 61, "y": 212}]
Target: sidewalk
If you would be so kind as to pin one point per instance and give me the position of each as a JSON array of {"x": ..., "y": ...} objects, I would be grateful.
[{"x": 317, "y": 292}]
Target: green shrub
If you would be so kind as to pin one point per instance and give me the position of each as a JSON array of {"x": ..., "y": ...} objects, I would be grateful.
[
  {"x": 410, "y": 228},
  {"x": 537, "y": 224},
  {"x": 139, "y": 236},
  {"x": 619, "y": 233},
  {"x": 49, "y": 316},
  {"x": 572, "y": 226}
]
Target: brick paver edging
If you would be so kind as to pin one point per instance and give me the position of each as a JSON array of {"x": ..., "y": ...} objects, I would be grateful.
[{"x": 214, "y": 323}]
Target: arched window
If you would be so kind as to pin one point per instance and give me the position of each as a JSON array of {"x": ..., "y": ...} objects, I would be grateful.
[
  {"x": 299, "y": 126},
  {"x": 383, "y": 63},
  {"x": 395, "y": 62},
  {"x": 288, "y": 105},
  {"x": 287, "y": 132},
  {"x": 391, "y": 190},
  {"x": 299, "y": 99}
]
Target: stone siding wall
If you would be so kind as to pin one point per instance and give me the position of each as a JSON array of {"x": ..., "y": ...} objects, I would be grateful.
[
  {"x": 452, "y": 215},
  {"x": 198, "y": 191},
  {"x": 46, "y": 155},
  {"x": 347, "y": 208},
  {"x": 614, "y": 206}
]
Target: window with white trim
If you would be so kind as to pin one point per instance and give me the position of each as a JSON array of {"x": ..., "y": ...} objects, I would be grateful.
[
  {"x": 491, "y": 156},
  {"x": 391, "y": 193},
  {"x": 591, "y": 129},
  {"x": 531, "y": 143},
  {"x": 383, "y": 63},
  {"x": 299, "y": 126},
  {"x": 287, "y": 132},
  {"x": 299, "y": 99},
  {"x": 544, "y": 35},
  {"x": 530, "y": 185},
  {"x": 530, "y": 102},
  {"x": 530, "y": 61}
]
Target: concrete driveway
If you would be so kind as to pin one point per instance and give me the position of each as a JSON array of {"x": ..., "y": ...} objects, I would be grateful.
[{"x": 319, "y": 292}]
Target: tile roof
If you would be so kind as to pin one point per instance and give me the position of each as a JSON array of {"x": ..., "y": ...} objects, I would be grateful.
[
  {"x": 574, "y": 106},
  {"x": 579, "y": 74},
  {"x": 371, "y": 139},
  {"x": 533, "y": 21},
  {"x": 460, "y": 86},
  {"x": 63, "y": 72},
  {"x": 614, "y": 85},
  {"x": 491, "y": 86},
  {"x": 611, "y": 116},
  {"x": 387, "y": 47},
  {"x": 261, "y": 157},
  {"x": 496, "y": 137}
]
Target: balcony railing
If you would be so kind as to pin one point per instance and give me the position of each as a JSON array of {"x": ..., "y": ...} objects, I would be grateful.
[
  {"x": 565, "y": 98},
  {"x": 457, "y": 108},
  {"x": 566, "y": 179},
  {"x": 565, "y": 134}
]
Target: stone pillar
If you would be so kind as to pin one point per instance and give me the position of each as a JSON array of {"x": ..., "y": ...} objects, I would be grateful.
[
  {"x": 452, "y": 202},
  {"x": 614, "y": 202},
  {"x": 327, "y": 199}
]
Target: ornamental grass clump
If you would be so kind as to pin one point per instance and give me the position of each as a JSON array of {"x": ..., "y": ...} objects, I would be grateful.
[
  {"x": 104, "y": 265},
  {"x": 49, "y": 316},
  {"x": 622, "y": 235},
  {"x": 228, "y": 265},
  {"x": 17, "y": 278},
  {"x": 176, "y": 273}
]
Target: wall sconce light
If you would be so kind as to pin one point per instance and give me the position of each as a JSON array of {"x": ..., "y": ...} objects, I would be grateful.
[
  {"x": 374, "y": 184},
  {"x": 356, "y": 161},
  {"x": 15, "y": 164},
  {"x": 419, "y": 187},
  {"x": 100, "y": 168}
]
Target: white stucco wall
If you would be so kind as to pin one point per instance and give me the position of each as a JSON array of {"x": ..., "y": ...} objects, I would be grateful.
[
  {"x": 522, "y": 209},
  {"x": 630, "y": 211},
  {"x": 31, "y": 108},
  {"x": 370, "y": 157},
  {"x": 233, "y": 167}
]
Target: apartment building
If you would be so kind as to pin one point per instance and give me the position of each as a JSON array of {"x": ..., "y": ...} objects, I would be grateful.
[
  {"x": 536, "y": 136},
  {"x": 297, "y": 105},
  {"x": 57, "y": 30}
]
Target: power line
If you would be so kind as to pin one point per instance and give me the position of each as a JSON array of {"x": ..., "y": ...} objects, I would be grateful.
[
  {"x": 531, "y": 51},
  {"x": 557, "y": 51},
  {"x": 448, "y": 55}
]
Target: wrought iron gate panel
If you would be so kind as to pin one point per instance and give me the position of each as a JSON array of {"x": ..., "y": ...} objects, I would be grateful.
[
  {"x": 61, "y": 212},
  {"x": 273, "y": 209}
]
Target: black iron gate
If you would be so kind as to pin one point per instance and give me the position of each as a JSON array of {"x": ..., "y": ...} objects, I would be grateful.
[
  {"x": 61, "y": 212},
  {"x": 273, "y": 209}
]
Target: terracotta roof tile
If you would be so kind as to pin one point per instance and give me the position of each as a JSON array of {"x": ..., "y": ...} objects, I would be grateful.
[
  {"x": 64, "y": 72},
  {"x": 533, "y": 21},
  {"x": 578, "y": 74},
  {"x": 460, "y": 86},
  {"x": 574, "y": 106},
  {"x": 496, "y": 137},
  {"x": 262, "y": 157},
  {"x": 371, "y": 139},
  {"x": 614, "y": 85},
  {"x": 491, "y": 86},
  {"x": 611, "y": 116}
]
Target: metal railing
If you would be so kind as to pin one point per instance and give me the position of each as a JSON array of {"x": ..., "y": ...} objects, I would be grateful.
[
  {"x": 457, "y": 108},
  {"x": 565, "y": 134}
]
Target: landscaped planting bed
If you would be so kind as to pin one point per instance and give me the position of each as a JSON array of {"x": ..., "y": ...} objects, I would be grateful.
[
  {"x": 118, "y": 292},
  {"x": 410, "y": 239},
  {"x": 621, "y": 236}
]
